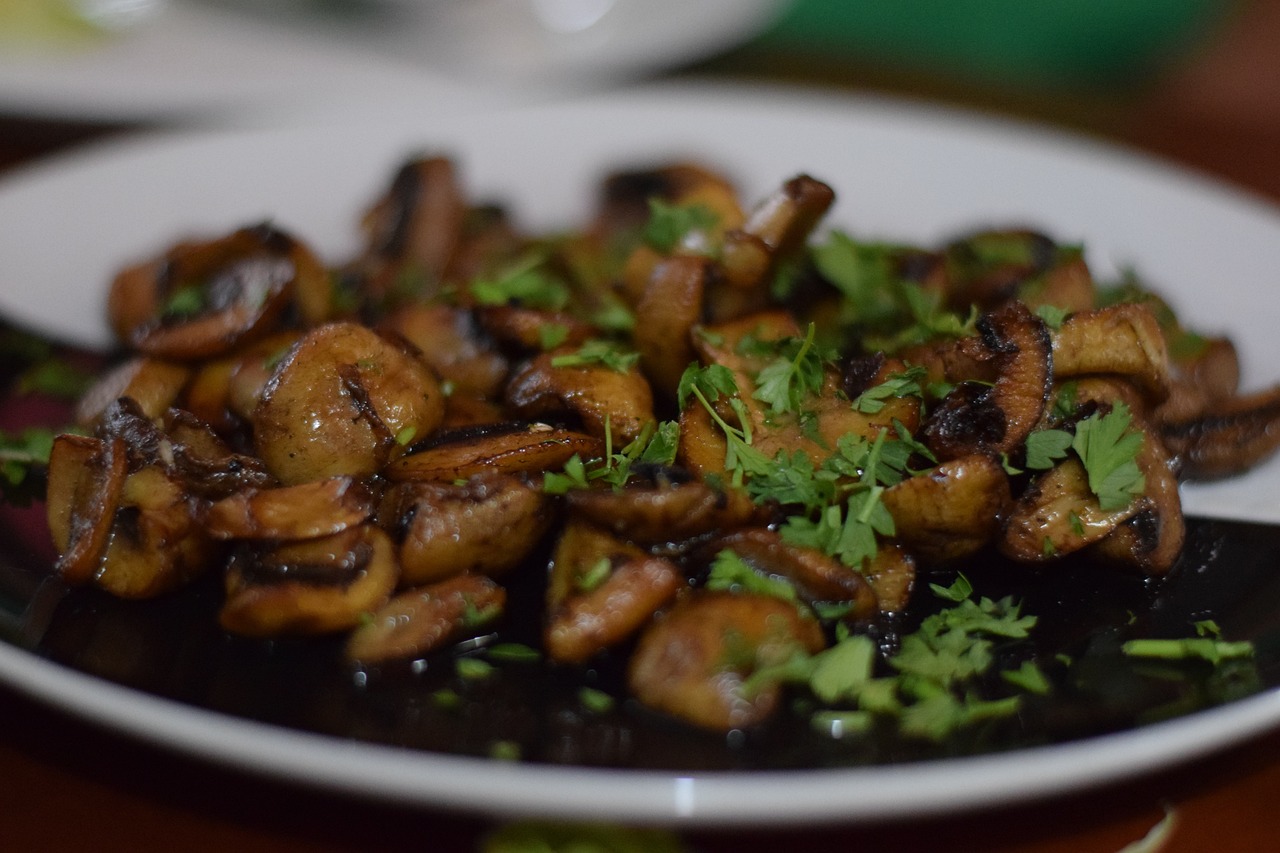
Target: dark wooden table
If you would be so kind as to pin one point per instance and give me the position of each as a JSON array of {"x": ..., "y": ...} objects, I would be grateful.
[{"x": 66, "y": 785}]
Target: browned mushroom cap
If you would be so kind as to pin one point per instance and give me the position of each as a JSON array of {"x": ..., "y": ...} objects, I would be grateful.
[
  {"x": 84, "y": 483},
  {"x": 1232, "y": 436},
  {"x": 511, "y": 448},
  {"x": 779, "y": 226},
  {"x": 601, "y": 590},
  {"x": 991, "y": 267},
  {"x": 315, "y": 586},
  {"x": 667, "y": 311},
  {"x": 605, "y": 399},
  {"x": 951, "y": 511},
  {"x": 816, "y": 576},
  {"x": 1058, "y": 515},
  {"x": 449, "y": 340},
  {"x": 343, "y": 401},
  {"x": 304, "y": 511},
  {"x": 828, "y": 415},
  {"x": 625, "y": 196},
  {"x": 203, "y": 299},
  {"x": 421, "y": 620},
  {"x": 692, "y": 662},
  {"x": 223, "y": 392},
  {"x": 523, "y": 329},
  {"x": 203, "y": 461},
  {"x": 664, "y": 511},
  {"x": 1152, "y": 539},
  {"x": 158, "y": 541},
  {"x": 1124, "y": 340},
  {"x": 415, "y": 227},
  {"x": 1014, "y": 345},
  {"x": 892, "y": 574},
  {"x": 152, "y": 383},
  {"x": 486, "y": 525},
  {"x": 1204, "y": 370}
]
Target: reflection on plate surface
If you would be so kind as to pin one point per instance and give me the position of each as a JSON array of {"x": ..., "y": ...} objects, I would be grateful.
[{"x": 900, "y": 174}]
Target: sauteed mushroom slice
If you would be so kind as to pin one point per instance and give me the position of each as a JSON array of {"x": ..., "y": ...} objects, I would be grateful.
[
  {"x": 601, "y": 590},
  {"x": 209, "y": 467},
  {"x": 416, "y": 226},
  {"x": 223, "y": 392},
  {"x": 425, "y": 619},
  {"x": 1123, "y": 339},
  {"x": 616, "y": 399},
  {"x": 1152, "y": 539},
  {"x": 523, "y": 330},
  {"x": 203, "y": 299},
  {"x": 85, "y": 480},
  {"x": 449, "y": 340},
  {"x": 693, "y": 662},
  {"x": 158, "y": 540},
  {"x": 486, "y": 525},
  {"x": 1206, "y": 371},
  {"x": 666, "y": 313},
  {"x": 996, "y": 418},
  {"x": 343, "y": 401},
  {"x": 1230, "y": 437},
  {"x": 512, "y": 448},
  {"x": 315, "y": 586},
  {"x": 625, "y": 196},
  {"x": 892, "y": 574},
  {"x": 285, "y": 513},
  {"x": 816, "y": 576},
  {"x": 1058, "y": 515},
  {"x": 665, "y": 510},
  {"x": 781, "y": 223},
  {"x": 154, "y": 384},
  {"x": 951, "y": 511}
]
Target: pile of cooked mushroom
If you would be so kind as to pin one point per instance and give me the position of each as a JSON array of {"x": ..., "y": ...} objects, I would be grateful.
[{"x": 683, "y": 385}]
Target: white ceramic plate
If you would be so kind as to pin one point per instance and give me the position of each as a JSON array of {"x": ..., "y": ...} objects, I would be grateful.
[{"x": 901, "y": 173}]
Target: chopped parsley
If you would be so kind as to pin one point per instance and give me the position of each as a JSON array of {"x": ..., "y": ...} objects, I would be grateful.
[
  {"x": 796, "y": 373},
  {"x": 524, "y": 283},
  {"x": 598, "y": 352},
  {"x": 669, "y": 224},
  {"x": 1106, "y": 446}
]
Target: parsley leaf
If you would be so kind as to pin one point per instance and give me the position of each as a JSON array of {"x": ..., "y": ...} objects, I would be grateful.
[
  {"x": 795, "y": 373},
  {"x": 669, "y": 223},
  {"x": 1109, "y": 451},
  {"x": 598, "y": 352},
  {"x": 523, "y": 283}
]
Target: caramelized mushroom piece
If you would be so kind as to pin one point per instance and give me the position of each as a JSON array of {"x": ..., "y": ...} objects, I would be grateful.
[
  {"x": 203, "y": 299},
  {"x": 953, "y": 510},
  {"x": 601, "y": 590},
  {"x": 343, "y": 401},
  {"x": 1058, "y": 515},
  {"x": 1014, "y": 346},
  {"x": 315, "y": 586},
  {"x": 450, "y": 342},
  {"x": 692, "y": 662},
  {"x": 1123, "y": 339},
  {"x": 667, "y": 511},
  {"x": 511, "y": 448},
  {"x": 424, "y": 619},
  {"x": 85, "y": 479},
  {"x": 415, "y": 227},
  {"x": 303, "y": 511},
  {"x": 666, "y": 313},
  {"x": 604, "y": 398},
  {"x": 781, "y": 224},
  {"x": 1228, "y": 439},
  {"x": 816, "y": 576},
  {"x": 486, "y": 525},
  {"x": 152, "y": 383},
  {"x": 158, "y": 541}
]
